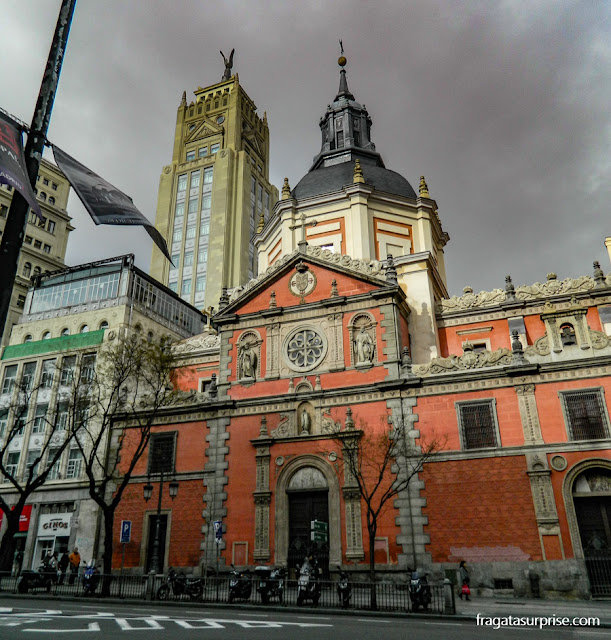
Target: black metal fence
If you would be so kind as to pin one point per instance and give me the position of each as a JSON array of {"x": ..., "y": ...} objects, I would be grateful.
[
  {"x": 598, "y": 564},
  {"x": 389, "y": 596}
]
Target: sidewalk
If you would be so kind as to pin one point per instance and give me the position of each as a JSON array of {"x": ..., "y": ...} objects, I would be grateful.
[{"x": 503, "y": 607}]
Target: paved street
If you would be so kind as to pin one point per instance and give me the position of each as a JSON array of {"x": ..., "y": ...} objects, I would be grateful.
[{"x": 38, "y": 618}]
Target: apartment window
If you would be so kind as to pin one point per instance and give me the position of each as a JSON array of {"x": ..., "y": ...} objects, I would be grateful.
[
  {"x": 204, "y": 228},
  {"x": 28, "y": 338},
  {"x": 20, "y": 420},
  {"x": 42, "y": 222},
  {"x": 3, "y": 421},
  {"x": 193, "y": 205},
  {"x": 190, "y": 232},
  {"x": 48, "y": 372},
  {"x": 84, "y": 329},
  {"x": 27, "y": 380},
  {"x": 37, "y": 244},
  {"x": 65, "y": 331},
  {"x": 10, "y": 378},
  {"x": 188, "y": 262},
  {"x": 51, "y": 200},
  {"x": 190, "y": 156},
  {"x": 27, "y": 270},
  {"x": 177, "y": 237},
  {"x": 176, "y": 258},
  {"x": 61, "y": 419},
  {"x": 45, "y": 181},
  {"x": 28, "y": 240},
  {"x": 54, "y": 472},
  {"x": 3, "y": 211},
  {"x": 182, "y": 182},
  {"x": 21, "y": 301},
  {"x": 173, "y": 286},
  {"x": 585, "y": 414},
  {"x": 87, "y": 367},
  {"x": 214, "y": 148},
  {"x": 46, "y": 335},
  {"x": 12, "y": 462},
  {"x": 161, "y": 453},
  {"x": 75, "y": 462},
  {"x": 202, "y": 256},
  {"x": 31, "y": 463},
  {"x": 477, "y": 424},
  {"x": 195, "y": 179},
  {"x": 206, "y": 203},
  {"x": 40, "y": 418},
  {"x": 186, "y": 287},
  {"x": 67, "y": 373},
  {"x": 180, "y": 210},
  {"x": 46, "y": 248},
  {"x": 33, "y": 218},
  {"x": 203, "y": 152},
  {"x": 54, "y": 186},
  {"x": 200, "y": 284}
]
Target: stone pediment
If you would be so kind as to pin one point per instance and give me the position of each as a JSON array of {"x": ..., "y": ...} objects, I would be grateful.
[
  {"x": 468, "y": 361},
  {"x": 204, "y": 342},
  {"x": 203, "y": 129}
]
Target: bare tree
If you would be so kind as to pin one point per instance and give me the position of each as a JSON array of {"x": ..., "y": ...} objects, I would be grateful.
[
  {"x": 380, "y": 461},
  {"x": 129, "y": 385},
  {"x": 53, "y": 436}
]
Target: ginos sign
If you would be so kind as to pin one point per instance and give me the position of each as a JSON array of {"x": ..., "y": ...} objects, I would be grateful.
[
  {"x": 54, "y": 525},
  {"x": 50, "y": 523}
]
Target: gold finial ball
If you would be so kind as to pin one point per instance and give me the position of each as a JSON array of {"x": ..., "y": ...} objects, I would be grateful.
[{"x": 341, "y": 61}]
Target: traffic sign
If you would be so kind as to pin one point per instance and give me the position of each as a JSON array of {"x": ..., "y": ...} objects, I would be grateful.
[
  {"x": 318, "y": 536},
  {"x": 319, "y": 531},
  {"x": 126, "y": 531},
  {"x": 318, "y": 525}
]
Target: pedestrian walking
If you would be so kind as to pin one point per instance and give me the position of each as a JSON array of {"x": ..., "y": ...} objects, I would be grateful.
[
  {"x": 75, "y": 562},
  {"x": 63, "y": 567},
  {"x": 465, "y": 579},
  {"x": 17, "y": 560}
]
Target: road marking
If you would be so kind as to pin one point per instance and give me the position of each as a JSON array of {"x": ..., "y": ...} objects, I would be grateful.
[
  {"x": 373, "y": 620},
  {"x": 314, "y": 617},
  {"x": 92, "y": 626},
  {"x": 444, "y": 624}
]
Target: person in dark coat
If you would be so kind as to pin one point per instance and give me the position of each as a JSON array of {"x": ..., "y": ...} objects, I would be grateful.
[
  {"x": 464, "y": 579},
  {"x": 63, "y": 567}
]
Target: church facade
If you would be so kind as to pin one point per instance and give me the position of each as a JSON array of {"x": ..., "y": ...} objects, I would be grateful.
[{"x": 349, "y": 327}]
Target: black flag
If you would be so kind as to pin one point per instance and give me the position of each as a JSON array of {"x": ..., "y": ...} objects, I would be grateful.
[
  {"x": 105, "y": 203},
  {"x": 12, "y": 162}
]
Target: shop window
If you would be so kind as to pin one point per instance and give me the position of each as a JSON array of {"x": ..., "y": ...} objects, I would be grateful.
[
  {"x": 477, "y": 424},
  {"x": 585, "y": 414},
  {"x": 161, "y": 453}
]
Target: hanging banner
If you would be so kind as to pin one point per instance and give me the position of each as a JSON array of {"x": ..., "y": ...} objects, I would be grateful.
[
  {"x": 105, "y": 203},
  {"x": 24, "y": 518},
  {"x": 12, "y": 162}
]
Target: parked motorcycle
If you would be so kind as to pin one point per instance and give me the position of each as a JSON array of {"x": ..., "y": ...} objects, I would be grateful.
[
  {"x": 271, "y": 583},
  {"x": 179, "y": 585},
  {"x": 344, "y": 589},
  {"x": 419, "y": 591},
  {"x": 91, "y": 578},
  {"x": 240, "y": 585},
  {"x": 308, "y": 584},
  {"x": 43, "y": 578}
]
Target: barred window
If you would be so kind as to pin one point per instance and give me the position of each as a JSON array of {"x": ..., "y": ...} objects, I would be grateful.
[
  {"x": 478, "y": 424},
  {"x": 585, "y": 414},
  {"x": 161, "y": 453}
]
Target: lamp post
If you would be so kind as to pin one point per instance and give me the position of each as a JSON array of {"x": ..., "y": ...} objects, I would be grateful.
[{"x": 148, "y": 492}]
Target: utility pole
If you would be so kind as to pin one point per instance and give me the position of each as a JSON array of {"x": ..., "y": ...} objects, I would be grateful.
[{"x": 16, "y": 222}]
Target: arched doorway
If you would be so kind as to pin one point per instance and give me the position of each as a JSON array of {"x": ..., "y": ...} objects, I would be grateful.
[
  {"x": 308, "y": 498},
  {"x": 591, "y": 494},
  {"x": 306, "y": 485}
]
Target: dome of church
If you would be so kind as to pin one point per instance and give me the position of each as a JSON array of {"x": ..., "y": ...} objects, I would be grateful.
[
  {"x": 332, "y": 178},
  {"x": 346, "y": 137}
]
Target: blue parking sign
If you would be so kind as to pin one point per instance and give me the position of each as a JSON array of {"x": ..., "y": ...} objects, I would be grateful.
[
  {"x": 126, "y": 530},
  {"x": 218, "y": 529}
]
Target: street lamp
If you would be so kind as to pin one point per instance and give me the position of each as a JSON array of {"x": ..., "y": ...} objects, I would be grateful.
[{"x": 148, "y": 493}]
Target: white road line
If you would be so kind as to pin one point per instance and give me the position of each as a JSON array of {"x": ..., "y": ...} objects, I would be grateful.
[
  {"x": 373, "y": 620},
  {"x": 93, "y": 626},
  {"x": 314, "y": 617},
  {"x": 444, "y": 624}
]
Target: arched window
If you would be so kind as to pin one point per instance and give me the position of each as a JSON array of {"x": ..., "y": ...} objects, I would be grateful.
[
  {"x": 42, "y": 195},
  {"x": 27, "y": 270},
  {"x": 28, "y": 338},
  {"x": 84, "y": 328},
  {"x": 103, "y": 324},
  {"x": 65, "y": 331},
  {"x": 51, "y": 200},
  {"x": 46, "y": 335}
]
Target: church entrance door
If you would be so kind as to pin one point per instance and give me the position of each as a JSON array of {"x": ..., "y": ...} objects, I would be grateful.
[{"x": 305, "y": 506}]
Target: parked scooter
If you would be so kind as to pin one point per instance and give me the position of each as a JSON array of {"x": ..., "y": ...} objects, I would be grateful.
[
  {"x": 308, "y": 584},
  {"x": 240, "y": 585},
  {"x": 179, "y": 585},
  {"x": 43, "y": 578},
  {"x": 344, "y": 589},
  {"x": 271, "y": 583},
  {"x": 91, "y": 578},
  {"x": 419, "y": 591}
]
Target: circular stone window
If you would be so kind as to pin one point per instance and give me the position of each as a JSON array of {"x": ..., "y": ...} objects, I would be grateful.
[
  {"x": 220, "y": 119},
  {"x": 304, "y": 349}
]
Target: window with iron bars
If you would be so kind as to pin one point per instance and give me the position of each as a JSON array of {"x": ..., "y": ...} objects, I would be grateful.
[
  {"x": 478, "y": 424},
  {"x": 585, "y": 414},
  {"x": 161, "y": 453}
]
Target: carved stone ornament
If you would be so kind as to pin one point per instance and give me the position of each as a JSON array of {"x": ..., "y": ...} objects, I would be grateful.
[
  {"x": 329, "y": 426},
  {"x": 303, "y": 282},
  {"x": 558, "y": 463},
  {"x": 552, "y": 287},
  {"x": 197, "y": 343},
  {"x": 469, "y": 360},
  {"x": 369, "y": 268},
  {"x": 283, "y": 429},
  {"x": 599, "y": 340},
  {"x": 540, "y": 347}
]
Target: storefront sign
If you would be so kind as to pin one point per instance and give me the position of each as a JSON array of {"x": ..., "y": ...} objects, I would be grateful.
[
  {"x": 54, "y": 524},
  {"x": 24, "y": 518}
]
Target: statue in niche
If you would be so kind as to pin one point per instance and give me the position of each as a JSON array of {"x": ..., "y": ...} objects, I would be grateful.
[
  {"x": 305, "y": 421},
  {"x": 248, "y": 360},
  {"x": 363, "y": 347}
]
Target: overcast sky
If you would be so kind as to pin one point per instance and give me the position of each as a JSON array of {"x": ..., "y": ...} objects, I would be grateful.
[{"x": 502, "y": 104}]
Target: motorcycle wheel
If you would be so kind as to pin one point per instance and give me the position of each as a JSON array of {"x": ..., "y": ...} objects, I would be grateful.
[
  {"x": 163, "y": 592},
  {"x": 23, "y": 586},
  {"x": 196, "y": 592}
]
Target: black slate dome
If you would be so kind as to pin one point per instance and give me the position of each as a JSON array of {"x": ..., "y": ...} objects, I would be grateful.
[{"x": 329, "y": 179}]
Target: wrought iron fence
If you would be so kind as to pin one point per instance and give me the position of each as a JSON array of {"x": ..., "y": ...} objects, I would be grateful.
[
  {"x": 389, "y": 596},
  {"x": 598, "y": 564}
]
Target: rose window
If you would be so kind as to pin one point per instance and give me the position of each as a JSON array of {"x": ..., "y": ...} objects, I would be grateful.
[{"x": 305, "y": 348}]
